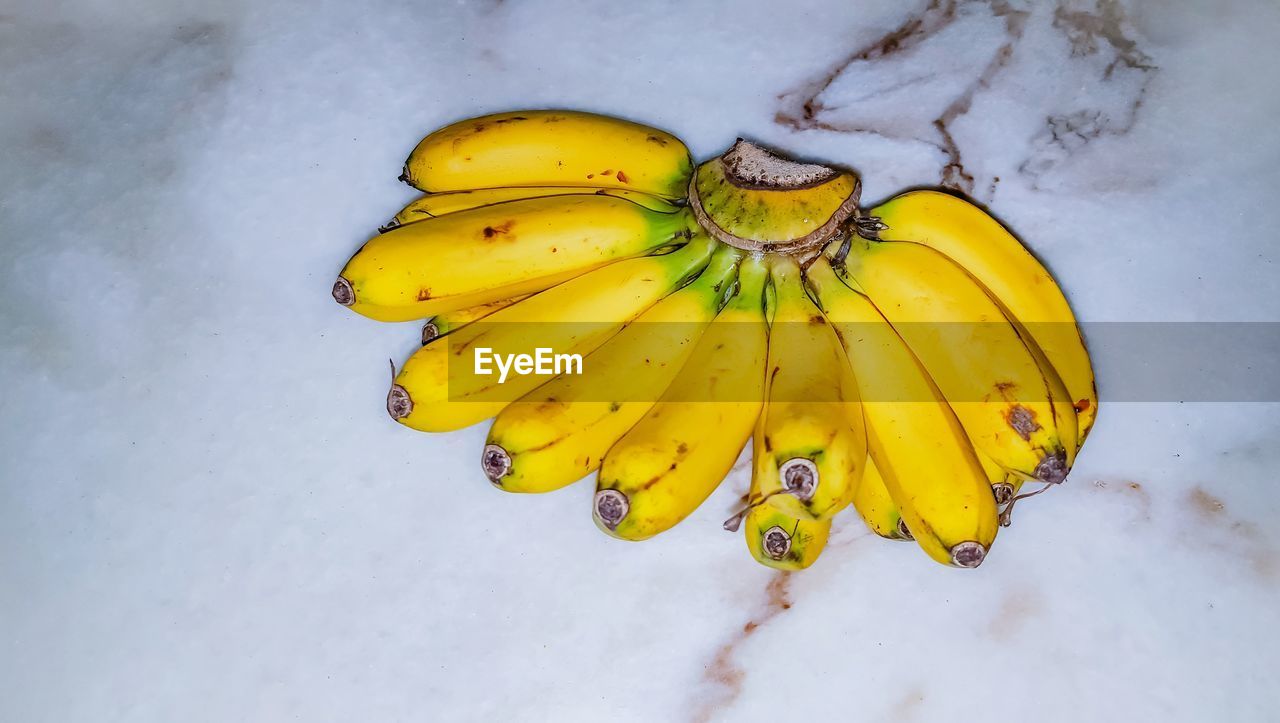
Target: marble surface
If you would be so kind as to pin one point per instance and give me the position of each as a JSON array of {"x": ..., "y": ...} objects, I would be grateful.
[{"x": 206, "y": 515}]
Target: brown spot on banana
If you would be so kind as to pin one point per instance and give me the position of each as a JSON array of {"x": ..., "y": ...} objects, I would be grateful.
[
  {"x": 501, "y": 229},
  {"x": 1023, "y": 421}
]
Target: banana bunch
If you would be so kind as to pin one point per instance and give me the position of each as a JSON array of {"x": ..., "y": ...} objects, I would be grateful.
[{"x": 643, "y": 319}]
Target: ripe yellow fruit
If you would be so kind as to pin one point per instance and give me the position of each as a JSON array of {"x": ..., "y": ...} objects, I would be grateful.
[
  {"x": 1017, "y": 280},
  {"x": 680, "y": 451},
  {"x": 550, "y": 148},
  {"x": 490, "y": 253},
  {"x": 560, "y": 432},
  {"x": 437, "y": 389},
  {"x": 810, "y": 445}
]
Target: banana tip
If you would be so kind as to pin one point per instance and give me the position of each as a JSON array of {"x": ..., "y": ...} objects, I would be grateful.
[
  {"x": 430, "y": 332},
  {"x": 496, "y": 463},
  {"x": 343, "y": 292},
  {"x": 1003, "y": 492},
  {"x": 968, "y": 554},
  {"x": 903, "y": 532},
  {"x": 775, "y": 543},
  {"x": 1052, "y": 469},
  {"x": 799, "y": 477},
  {"x": 611, "y": 508},
  {"x": 399, "y": 404}
]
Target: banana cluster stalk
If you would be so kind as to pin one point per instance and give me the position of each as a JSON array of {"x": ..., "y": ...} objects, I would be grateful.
[{"x": 914, "y": 363}]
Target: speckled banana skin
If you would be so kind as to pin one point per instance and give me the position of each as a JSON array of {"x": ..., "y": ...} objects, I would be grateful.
[{"x": 550, "y": 148}]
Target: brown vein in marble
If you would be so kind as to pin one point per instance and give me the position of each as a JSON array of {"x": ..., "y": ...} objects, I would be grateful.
[
  {"x": 908, "y": 706},
  {"x": 724, "y": 673},
  {"x": 801, "y": 109},
  {"x": 1016, "y": 610},
  {"x": 1131, "y": 491},
  {"x": 1083, "y": 29},
  {"x": 1088, "y": 33},
  {"x": 936, "y": 16},
  {"x": 804, "y": 114},
  {"x": 1214, "y": 528},
  {"x": 953, "y": 173},
  {"x": 1235, "y": 537}
]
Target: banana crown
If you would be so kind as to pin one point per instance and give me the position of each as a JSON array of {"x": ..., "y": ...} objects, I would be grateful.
[{"x": 759, "y": 201}]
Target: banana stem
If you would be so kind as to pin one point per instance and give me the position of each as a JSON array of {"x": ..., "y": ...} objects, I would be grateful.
[{"x": 749, "y": 166}]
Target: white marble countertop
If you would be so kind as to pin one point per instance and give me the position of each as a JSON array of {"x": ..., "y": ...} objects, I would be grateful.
[{"x": 205, "y": 514}]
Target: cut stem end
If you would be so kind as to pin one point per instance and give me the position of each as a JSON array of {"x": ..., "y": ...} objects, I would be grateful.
[
  {"x": 399, "y": 404},
  {"x": 775, "y": 543},
  {"x": 1003, "y": 492},
  {"x": 496, "y": 463},
  {"x": 968, "y": 554},
  {"x": 611, "y": 508},
  {"x": 1052, "y": 469},
  {"x": 343, "y": 292},
  {"x": 799, "y": 477}
]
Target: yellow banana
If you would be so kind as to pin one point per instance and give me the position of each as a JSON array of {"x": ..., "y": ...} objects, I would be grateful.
[
  {"x": 916, "y": 442},
  {"x": 1017, "y": 280},
  {"x": 783, "y": 542},
  {"x": 439, "y": 390},
  {"x": 496, "y": 252},
  {"x": 680, "y": 451},
  {"x": 876, "y": 506},
  {"x": 550, "y": 148},
  {"x": 438, "y": 326},
  {"x": 559, "y": 433},
  {"x": 440, "y": 204},
  {"x": 810, "y": 443},
  {"x": 973, "y": 354}
]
